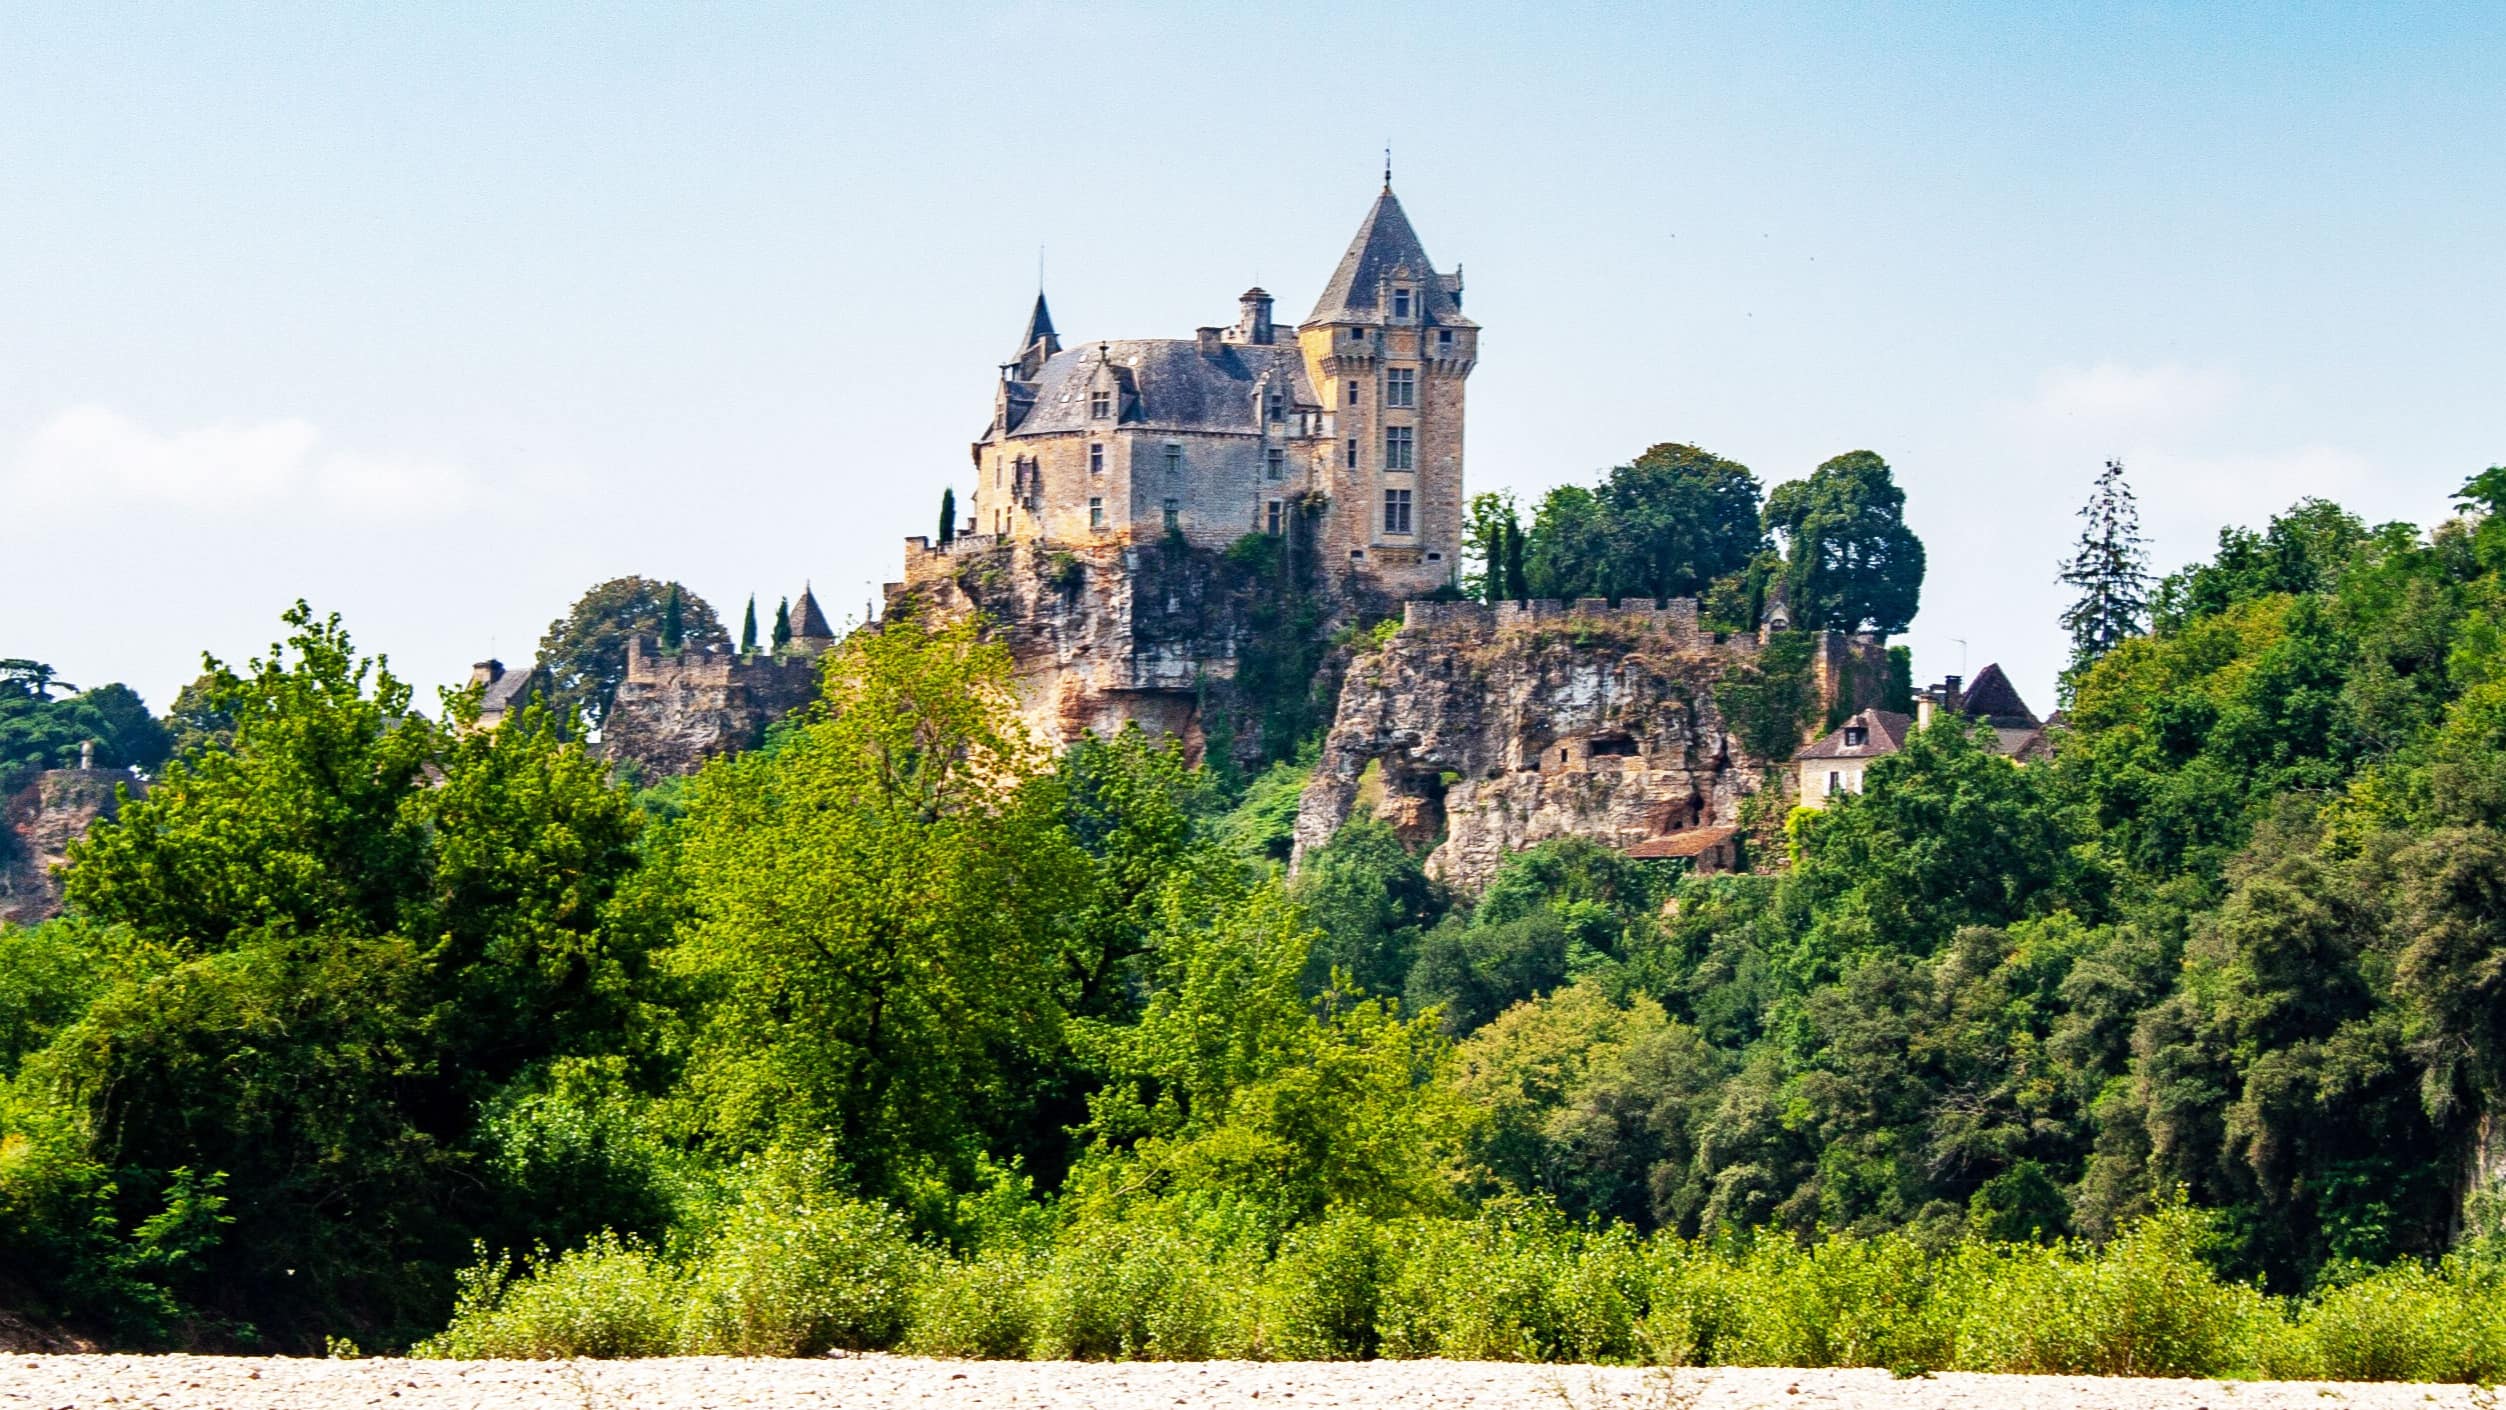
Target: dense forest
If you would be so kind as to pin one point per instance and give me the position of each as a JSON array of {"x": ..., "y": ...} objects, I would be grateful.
[{"x": 2184, "y": 1051}]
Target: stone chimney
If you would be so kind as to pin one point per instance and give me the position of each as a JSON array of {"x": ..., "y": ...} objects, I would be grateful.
[
  {"x": 1208, "y": 339},
  {"x": 487, "y": 672},
  {"x": 1253, "y": 317},
  {"x": 87, "y": 756}
]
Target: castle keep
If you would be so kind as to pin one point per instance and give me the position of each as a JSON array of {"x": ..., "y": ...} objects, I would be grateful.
[{"x": 1354, "y": 416}]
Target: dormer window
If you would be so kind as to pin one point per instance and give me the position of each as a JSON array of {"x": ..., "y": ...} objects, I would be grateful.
[
  {"x": 1278, "y": 407},
  {"x": 1100, "y": 405},
  {"x": 1856, "y": 736},
  {"x": 1400, "y": 303}
]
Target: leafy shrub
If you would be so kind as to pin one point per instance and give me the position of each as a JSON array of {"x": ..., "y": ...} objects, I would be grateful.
[
  {"x": 981, "y": 1307},
  {"x": 1139, "y": 1292},
  {"x": 2144, "y": 1305},
  {"x": 611, "y": 1297},
  {"x": 789, "y": 1274},
  {"x": 1322, "y": 1289}
]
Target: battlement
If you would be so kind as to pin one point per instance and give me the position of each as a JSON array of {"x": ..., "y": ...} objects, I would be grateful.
[{"x": 1676, "y": 619}]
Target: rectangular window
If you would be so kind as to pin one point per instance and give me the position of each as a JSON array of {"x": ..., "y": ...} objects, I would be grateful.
[
  {"x": 1396, "y": 511},
  {"x": 1835, "y": 782},
  {"x": 1400, "y": 303},
  {"x": 1100, "y": 405},
  {"x": 1398, "y": 448},
  {"x": 1272, "y": 518},
  {"x": 1174, "y": 461},
  {"x": 1351, "y": 398},
  {"x": 1174, "y": 515},
  {"x": 1401, "y": 387},
  {"x": 1353, "y": 452},
  {"x": 1274, "y": 464},
  {"x": 1096, "y": 512},
  {"x": 1278, "y": 407},
  {"x": 1444, "y": 337},
  {"x": 1096, "y": 458}
]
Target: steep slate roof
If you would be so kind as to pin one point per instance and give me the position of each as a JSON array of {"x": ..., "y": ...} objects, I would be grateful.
[
  {"x": 1887, "y": 731},
  {"x": 1384, "y": 242},
  {"x": 1992, "y": 697},
  {"x": 1039, "y": 325},
  {"x": 1174, "y": 385},
  {"x": 807, "y": 620},
  {"x": 508, "y": 691}
]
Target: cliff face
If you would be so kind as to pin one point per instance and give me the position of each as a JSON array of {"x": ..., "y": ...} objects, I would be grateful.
[
  {"x": 1162, "y": 635},
  {"x": 37, "y": 825},
  {"x": 1501, "y": 728}
]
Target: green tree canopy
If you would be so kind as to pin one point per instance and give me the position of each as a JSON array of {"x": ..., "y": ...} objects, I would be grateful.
[
  {"x": 1850, "y": 562},
  {"x": 585, "y": 651}
]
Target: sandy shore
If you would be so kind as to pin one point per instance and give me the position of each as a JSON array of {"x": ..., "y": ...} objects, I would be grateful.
[{"x": 874, "y": 1382}]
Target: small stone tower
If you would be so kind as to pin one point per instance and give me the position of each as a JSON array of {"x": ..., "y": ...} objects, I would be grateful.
[{"x": 1388, "y": 350}]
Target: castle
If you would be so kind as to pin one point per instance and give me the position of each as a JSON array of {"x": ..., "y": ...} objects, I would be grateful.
[{"x": 1354, "y": 415}]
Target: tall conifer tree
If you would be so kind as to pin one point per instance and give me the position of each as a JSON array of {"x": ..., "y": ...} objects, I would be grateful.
[
  {"x": 783, "y": 624},
  {"x": 748, "y": 628},
  {"x": 673, "y": 623},
  {"x": 948, "y": 515},
  {"x": 2110, "y": 569}
]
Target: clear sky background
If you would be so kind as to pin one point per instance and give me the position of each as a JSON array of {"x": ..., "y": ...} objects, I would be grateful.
[{"x": 436, "y": 314}]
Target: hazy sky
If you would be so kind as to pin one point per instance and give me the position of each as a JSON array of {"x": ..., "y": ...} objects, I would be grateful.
[{"x": 436, "y": 314}]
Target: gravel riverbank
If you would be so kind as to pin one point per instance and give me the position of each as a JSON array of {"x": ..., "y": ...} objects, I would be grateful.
[{"x": 877, "y": 1382}]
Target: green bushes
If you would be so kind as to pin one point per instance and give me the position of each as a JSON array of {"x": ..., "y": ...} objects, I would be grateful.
[{"x": 787, "y": 1275}]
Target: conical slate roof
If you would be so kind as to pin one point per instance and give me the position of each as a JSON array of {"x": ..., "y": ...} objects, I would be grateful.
[
  {"x": 1384, "y": 243},
  {"x": 807, "y": 620},
  {"x": 1039, "y": 326}
]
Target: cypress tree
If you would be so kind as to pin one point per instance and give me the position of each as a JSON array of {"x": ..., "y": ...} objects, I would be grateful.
[
  {"x": 2111, "y": 571},
  {"x": 783, "y": 624},
  {"x": 673, "y": 627},
  {"x": 1517, "y": 586},
  {"x": 948, "y": 515},
  {"x": 748, "y": 628}
]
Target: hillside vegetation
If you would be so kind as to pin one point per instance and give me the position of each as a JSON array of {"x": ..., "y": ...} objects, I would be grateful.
[{"x": 2181, "y": 1053}]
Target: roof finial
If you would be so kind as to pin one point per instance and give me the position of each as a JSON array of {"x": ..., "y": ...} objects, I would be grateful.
[{"x": 1387, "y": 166}]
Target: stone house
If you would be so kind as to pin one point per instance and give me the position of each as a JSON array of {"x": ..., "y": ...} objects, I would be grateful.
[{"x": 1836, "y": 762}]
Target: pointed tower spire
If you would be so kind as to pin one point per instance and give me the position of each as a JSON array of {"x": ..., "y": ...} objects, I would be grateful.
[
  {"x": 809, "y": 624},
  {"x": 1385, "y": 242},
  {"x": 1037, "y": 343}
]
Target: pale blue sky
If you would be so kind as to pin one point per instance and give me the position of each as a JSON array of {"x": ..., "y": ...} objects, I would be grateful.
[{"x": 437, "y": 314}]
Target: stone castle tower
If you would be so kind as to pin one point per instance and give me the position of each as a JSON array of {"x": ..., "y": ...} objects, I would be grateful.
[{"x": 1356, "y": 416}]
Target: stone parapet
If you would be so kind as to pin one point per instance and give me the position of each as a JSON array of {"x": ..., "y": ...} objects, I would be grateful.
[{"x": 1676, "y": 618}]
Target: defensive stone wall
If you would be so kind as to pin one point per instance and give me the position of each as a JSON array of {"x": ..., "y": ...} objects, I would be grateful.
[{"x": 675, "y": 710}]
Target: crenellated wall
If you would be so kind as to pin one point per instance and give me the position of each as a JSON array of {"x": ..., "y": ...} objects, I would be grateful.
[{"x": 675, "y": 710}]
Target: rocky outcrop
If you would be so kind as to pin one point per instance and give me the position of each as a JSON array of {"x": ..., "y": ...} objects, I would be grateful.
[
  {"x": 675, "y": 710},
  {"x": 1493, "y": 729},
  {"x": 37, "y": 825},
  {"x": 1117, "y": 633}
]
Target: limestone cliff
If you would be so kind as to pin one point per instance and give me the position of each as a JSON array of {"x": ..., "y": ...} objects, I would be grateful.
[
  {"x": 37, "y": 825},
  {"x": 1498, "y": 728},
  {"x": 1176, "y": 639}
]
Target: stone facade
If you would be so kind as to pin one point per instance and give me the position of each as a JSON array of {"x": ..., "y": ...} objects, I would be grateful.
[
  {"x": 675, "y": 710},
  {"x": 1356, "y": 414},
  {"x": 1494, "y": 729},
  {"x": 37, "y": 825}
]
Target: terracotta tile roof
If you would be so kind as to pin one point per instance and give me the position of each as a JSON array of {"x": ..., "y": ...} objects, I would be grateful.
[{"x": 1693, "y": 842}]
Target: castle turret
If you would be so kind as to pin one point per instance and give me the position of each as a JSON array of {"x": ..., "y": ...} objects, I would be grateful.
[
  {"x": 1037, "y": 343},
  {"x": 810, "y": 632},
  {"x": 1388, "y": 348}
]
